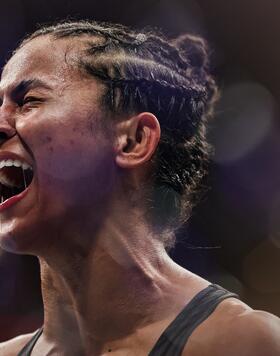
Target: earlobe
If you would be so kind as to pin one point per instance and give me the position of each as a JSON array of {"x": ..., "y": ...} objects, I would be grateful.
[{"x": 138, "y": 139}]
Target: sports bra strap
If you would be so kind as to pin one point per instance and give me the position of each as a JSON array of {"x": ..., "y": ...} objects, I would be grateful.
[
  {"x": 173, "y": 340},
  {"x": 26, "y": 351}
]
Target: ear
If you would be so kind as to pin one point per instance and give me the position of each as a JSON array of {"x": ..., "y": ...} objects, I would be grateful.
[{"x": 137, "y": 140}]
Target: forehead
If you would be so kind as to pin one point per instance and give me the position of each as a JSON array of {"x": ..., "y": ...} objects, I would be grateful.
[{"x": 43, "y": 57}]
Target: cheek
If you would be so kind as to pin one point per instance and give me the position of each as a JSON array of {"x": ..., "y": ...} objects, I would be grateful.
[
  {"x": 69, "y": 182},
  {"x": 76, "y": 165},
  {"x": 65, "y": 145},
  {"x": 69, "y": 155},
  {"x": 68, "y": 159}
]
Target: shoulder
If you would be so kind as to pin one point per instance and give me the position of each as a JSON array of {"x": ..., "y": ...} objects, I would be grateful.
[
  {"x": 236, "y": 329},
  {"x": 14, "y": 346},
  {"x": 245, "y": 332},
  {"x": 258, "y": 331}
]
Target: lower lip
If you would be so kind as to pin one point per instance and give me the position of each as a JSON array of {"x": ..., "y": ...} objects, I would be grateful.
[{"x": 13, "y": 200}]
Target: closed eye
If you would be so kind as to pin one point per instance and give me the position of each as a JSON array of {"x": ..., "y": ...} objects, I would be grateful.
[
  {"x": 29, "y": 102},
  {"x": 30, "y": 99}
]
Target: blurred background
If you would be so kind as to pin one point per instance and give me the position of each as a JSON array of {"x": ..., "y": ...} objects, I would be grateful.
[{"x": 233, "y": 238}]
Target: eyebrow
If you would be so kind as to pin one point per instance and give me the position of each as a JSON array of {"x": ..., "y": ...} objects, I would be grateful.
[
  {"x": 22, "y": 87},
  {"x": 25, "y": 85}
]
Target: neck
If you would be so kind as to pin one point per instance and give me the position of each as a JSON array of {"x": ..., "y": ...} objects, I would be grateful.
[{"x": 106, "y": 289}]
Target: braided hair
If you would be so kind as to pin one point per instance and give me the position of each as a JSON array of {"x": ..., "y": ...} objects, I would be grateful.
[{"x": 145, "y": 71}]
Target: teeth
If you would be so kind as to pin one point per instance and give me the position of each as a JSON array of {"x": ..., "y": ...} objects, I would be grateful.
[
  {"x": 24, "y": 178},
  {"x": 16, "y": 163},
  {"x": 25, "y": 166},
  {"x": 9, "y": 163}
]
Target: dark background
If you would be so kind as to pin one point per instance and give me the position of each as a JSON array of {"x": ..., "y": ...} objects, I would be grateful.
[{"x": 234, "y": 236}]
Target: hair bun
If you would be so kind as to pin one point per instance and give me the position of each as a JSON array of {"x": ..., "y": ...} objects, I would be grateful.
[{"x": 193, "y": 49}]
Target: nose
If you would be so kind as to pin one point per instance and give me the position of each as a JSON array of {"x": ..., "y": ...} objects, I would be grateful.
[
  {"x": 3, "y": 137},
  {"x": 6, "y": 133},
  {"x": 7, "y": 129}
]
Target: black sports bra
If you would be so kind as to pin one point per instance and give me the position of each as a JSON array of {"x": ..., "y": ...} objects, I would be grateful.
[{"x": 173, "y": 340}]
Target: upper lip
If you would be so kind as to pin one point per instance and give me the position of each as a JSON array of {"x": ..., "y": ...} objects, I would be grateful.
[{"x": 4, "y": 155}]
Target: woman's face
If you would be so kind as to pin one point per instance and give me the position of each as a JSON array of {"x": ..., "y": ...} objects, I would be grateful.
[{"x": 50, "y": 113}]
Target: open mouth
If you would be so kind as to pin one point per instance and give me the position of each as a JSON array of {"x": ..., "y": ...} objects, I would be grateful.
[{"x": 15, "y": 177}]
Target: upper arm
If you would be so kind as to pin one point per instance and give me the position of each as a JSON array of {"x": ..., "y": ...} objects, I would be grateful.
[
  {"x": 261, "y": 332},
  {"x": 12, "y": 347},
  {"x": 235, "y": 329},
  {"x": 251, "y": 333}
]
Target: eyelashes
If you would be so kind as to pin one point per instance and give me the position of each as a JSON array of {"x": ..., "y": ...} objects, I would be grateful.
[
  {"x": 30, "y": 99},
  {"x": 29, "y": 102}
]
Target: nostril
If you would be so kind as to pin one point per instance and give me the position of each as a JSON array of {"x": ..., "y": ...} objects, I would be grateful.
[{"x": 3, "y": 137}]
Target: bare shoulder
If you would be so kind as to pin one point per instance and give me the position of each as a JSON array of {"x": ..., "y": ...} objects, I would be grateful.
[
  {"x": 236, "y": 329},
  {"x": 260, "y": 331},
  {"x": 12, "y": 347}
]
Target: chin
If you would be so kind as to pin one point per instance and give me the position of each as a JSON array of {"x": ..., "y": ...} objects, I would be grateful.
[
  {"x": 20, "y": 238},
  {"x": 13, "y": 243}
]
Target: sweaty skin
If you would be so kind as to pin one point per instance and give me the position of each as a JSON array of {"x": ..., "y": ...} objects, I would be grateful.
[{"x": 108, "y": 285}]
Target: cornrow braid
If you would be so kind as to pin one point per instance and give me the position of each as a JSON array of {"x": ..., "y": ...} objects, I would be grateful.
[
  {"x": 178, "y": 96},
  {"x": 145, "y": 71}
]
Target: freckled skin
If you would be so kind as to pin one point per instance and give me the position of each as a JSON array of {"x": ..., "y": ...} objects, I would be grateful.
[{"x": 72, "y": 161}]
